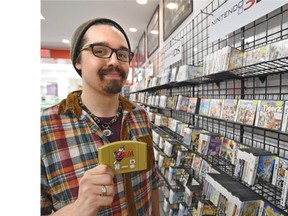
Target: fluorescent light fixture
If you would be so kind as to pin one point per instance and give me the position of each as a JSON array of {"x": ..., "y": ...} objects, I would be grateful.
[
  {"x": 172, "y": 6},
  {"x": 65, "y": 41},
  {"x": 142, "y": 2},
  {"x": 133, "y": 30}
]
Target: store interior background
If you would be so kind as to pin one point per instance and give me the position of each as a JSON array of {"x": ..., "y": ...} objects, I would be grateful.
[{"x": 60, "y": 18}]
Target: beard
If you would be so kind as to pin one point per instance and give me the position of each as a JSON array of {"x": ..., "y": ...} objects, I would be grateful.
[{"x": 113, "y": 86}]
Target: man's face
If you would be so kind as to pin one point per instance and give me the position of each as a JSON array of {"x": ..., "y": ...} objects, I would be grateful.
[{"x": 98, "y": 74}]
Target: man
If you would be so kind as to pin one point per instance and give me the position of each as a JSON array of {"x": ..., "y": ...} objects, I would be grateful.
[{"x": 72, "y": 181}]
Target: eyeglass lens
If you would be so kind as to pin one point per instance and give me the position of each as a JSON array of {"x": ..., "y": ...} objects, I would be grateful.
[{"x": 106, "y": 52}]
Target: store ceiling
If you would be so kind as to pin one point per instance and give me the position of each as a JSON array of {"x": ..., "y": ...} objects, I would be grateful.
[{"x": 62, "y": 17}]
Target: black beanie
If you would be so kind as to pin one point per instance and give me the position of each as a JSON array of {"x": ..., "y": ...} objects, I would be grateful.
[{"x": 81, "y": 30}]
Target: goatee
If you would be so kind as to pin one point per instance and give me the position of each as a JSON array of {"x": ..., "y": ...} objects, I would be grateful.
[{"x": 112, "y": 86}]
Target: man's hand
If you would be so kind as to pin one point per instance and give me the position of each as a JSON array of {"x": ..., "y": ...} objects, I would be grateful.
[{"x": 96, "y": 189}]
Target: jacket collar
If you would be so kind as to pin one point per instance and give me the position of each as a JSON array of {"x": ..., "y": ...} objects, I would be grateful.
[{"x": 71, "y": 103}]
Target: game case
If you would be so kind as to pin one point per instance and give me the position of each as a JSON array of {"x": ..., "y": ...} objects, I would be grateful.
[
  {"x": 172, "y": 102},
  {"x": 280, "y": 168},
  {"x": 257, "y": 55},
  {"x": 183, "y": 126},
  {"x": 248, "y": 57},
  {"x": 187, "y": 136},
  {"x": 173, "y": 123},
  {"x": 266, "y": 209},
  {"x": 209, "y": 144},
  {"x": 124, "y": 156},
  {"x": 246, "y": 110},
  {"x": 206, "y": 208},
  {"x": 269, "y": 114},
  {"x": 171, "y": 147},
  {"x": 235, "y": 59},
  {"x": 192, "y": 192},
  {"x": 203, "y": 144},
  {"x": 196, "y": 163},
  {"x": 174, "y": 74},
  {"x": 284, "y": 192},
  {"x": 239, "y": 166},
  {"x": 278, "y": 49},
  {"x": 179, "y": 127},
  {"x": 253, "y": 163},
  {"x": 212, "y": 62},
  {"x": 163, "y": 101},
  {"x": 265, "y": 168},
  {"x": 223, "y": 59},
  {"x": 176, "y": 194},
  {"x": 195, "y": 137},
  {"x": 182, "y": 103},
  {"x": 175, "y": 174},
  {"x": 165, "y": 161},
  {"x": 193, "y": 105},
  {"x": 188, "y": 72},
  {"x": 215, "y": 108},
  {"x": 206, "y": 65},
  {"x": 228, "y": 150},
  {"x": 185, "y": 158},
  {"x": 229, "y": 109},
  {"x": 204, "y": 106},
  {"x": 217, "y": 64},
  {"x": 204, "y": 169},
  {"x": 284, "y": 126},
  {"x": 215, "y": 144},
  {"x": 250, "y": 208}
]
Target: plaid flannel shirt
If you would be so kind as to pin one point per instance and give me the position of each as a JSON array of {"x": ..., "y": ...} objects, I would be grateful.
[{"x": 69, "y": 141}]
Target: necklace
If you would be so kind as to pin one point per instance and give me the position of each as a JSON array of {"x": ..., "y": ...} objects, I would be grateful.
[{"x": 105, "y": 125}]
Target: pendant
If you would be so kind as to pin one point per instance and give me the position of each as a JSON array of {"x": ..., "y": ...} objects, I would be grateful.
[{"x": 107, "y": 132}]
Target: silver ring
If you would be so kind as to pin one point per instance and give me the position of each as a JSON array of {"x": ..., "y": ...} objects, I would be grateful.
[{"x": 103, "y": 191}]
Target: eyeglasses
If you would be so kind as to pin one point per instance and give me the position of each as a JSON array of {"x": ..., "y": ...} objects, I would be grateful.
[{"x": 102, "y": 51}]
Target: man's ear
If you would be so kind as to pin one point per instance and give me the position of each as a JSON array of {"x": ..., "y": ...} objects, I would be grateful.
[{"x": 78, "y": 65}]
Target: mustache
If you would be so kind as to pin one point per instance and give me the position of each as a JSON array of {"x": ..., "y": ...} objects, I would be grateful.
[{"x": 105, "y": 71}]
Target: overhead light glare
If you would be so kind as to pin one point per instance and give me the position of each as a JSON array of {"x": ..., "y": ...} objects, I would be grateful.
[
  {"x": 172, "y": 6},
  {"x": 142, "y": 2},
  {"x": 65, "y": 41},
  {"x": 133, "y": 30}
]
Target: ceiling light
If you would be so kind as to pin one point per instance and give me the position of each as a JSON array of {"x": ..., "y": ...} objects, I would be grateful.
[
  {"x": 133, "y": 30},
  {"x": 172, "y": 6},
  {"x": 65, "y": 41},
  {"x": 155, "y": 32},
  {"x": 142, "y": 2}
]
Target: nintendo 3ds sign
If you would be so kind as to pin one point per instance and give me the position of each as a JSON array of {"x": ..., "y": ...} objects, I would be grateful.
[
  {"x": 235, "y": 14},
  {"x": 173, "y": 54}
]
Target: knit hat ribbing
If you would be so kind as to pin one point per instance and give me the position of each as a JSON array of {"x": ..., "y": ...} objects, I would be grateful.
[{"x": 81, "y": 30}]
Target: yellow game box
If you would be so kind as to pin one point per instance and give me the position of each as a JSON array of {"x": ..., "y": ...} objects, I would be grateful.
[{"x": 124, "y": 156}]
